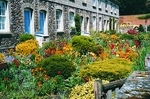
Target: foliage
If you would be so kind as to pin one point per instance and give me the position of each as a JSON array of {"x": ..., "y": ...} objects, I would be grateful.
[
  {"x": 52, "y": 86},
  {"x": 27, "y": 48},
  {"x": 17, "y": 81},
  {"x": 24, "y": 37},
  {"x": 132, "y": 31},
  {"x": 126, "y": 6},
  {"x": 82, "y": 43},
  {"x": 84, "y": 91},
  {"x": 126, "y": 36},
  {"x": 77, "y": 19},
  {"x": 140, "y": 63},
  {"x": 141, "y": 28},
  {"x": 145, "y": 16},
  {"x": 110, "y": 69},
  {"x": 148, "y": 28},
  {"x": 58, "y": 65},
  {"x": 97, "y": 49}
]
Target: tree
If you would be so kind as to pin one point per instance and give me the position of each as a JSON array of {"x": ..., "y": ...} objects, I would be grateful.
[
  {"x": 145, "y": 17},
  {"x": 133, "y": 7},
  {"x": 141, "y": 28}
]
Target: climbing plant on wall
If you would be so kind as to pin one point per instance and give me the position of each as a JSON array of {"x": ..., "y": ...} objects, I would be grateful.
[{"x": 77, "y": 20}]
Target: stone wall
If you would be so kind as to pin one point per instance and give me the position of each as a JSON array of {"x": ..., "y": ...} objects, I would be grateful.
[{"x": 16, "y": 15}]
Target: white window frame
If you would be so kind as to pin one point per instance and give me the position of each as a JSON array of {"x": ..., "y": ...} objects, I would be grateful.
[
  {"x": 106, "y": 5},
  {"x": 59, "y": 20},
  {"x": 71, "y": 19},
  {"x": 87, "y": 24},
  {"x": 6, "y": 22},
  {"x": 112, "y": 8},
  {"x": 84, "y": 1},
  {"x": 100, "y": 24},
  {"x": 99, "y": 4},
  {"x": 82, "y": 24},
  {"x": 94, "y": 23}
]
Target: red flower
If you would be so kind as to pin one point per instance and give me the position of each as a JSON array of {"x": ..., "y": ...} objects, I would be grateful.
[
  {"x": 59, "y": 72},
  {"x": 15, "y": 61},
  {"x": 112, "y": 46}
]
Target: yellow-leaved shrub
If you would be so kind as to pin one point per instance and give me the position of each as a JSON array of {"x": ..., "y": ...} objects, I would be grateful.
[
  {"x": 109, "y": 69},
  {"x": 85, "y": 91},
  {"x": 28, "y": 47}
]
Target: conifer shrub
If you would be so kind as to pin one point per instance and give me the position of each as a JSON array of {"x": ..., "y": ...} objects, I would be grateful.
[
  {"x": 58, "y": 65},
  {"x": 82, "y": 44},
  {"x": 109, "y": 69},
  {"x": 24, "y": 37}
]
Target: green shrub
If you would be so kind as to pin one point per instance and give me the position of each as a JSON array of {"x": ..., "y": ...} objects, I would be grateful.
[
  {"x": 24, "y": 37},
  {"x": 77, "y": 20},
  {"x": 58, "y": 65},
  {"x": 110, "y": 69},
  {"x": 82, "y": 43},
  {"x": 126, "y": 37},
  {"x": 97, "y": 49}
]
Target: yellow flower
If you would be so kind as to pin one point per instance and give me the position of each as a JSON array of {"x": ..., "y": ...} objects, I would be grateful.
[{"x": 2, "y": 58}]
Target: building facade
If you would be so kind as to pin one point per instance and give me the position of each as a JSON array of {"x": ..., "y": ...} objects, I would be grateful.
[{"x": 50, "y": 18}]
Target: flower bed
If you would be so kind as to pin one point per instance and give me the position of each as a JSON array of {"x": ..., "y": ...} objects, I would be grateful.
[{"x": 59, "y": 66}]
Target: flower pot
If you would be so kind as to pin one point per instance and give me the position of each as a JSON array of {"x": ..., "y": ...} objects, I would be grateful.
[{"x": 3, "y": 66}]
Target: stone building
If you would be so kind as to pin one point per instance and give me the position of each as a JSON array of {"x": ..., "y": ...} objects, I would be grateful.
[{"x": 46, "y": 19}]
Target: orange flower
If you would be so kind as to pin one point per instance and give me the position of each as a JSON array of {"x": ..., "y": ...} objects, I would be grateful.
[
  {"x": 39, "y": 83},
  {"x": 103, "y": 55}
]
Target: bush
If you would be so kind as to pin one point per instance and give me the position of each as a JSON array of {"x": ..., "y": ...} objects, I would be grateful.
[
  {"x": 24, "y": 37},
  {"x": 126, "y": 37},
  {"x": 28, "y": 47},
  {"x": 58, "y": 65},
  {"x": 82, "y": 43},
  {"x": 85, "y": 91},
  {"x": 141, "y": 28},
  {"x": 97, "y": 49},
  {"x": 110, "y": 69}
]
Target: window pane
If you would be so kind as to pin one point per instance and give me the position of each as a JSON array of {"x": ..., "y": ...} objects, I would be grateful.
[{"x": 58, "y": 18}]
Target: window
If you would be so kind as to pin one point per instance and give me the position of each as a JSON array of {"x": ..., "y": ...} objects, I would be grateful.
[
  {"x": 99, "y": 5},
  {"x": 28, "y": 21},
  {"x": 106, "y": 3},
  {"x": 94, "y": 22},
  {"x": 72, "y": 0},
  {"x": 84, "y": 3},
  {"x": 87, "y": 24},
  {"x": 111, "y": 8},
  {"x": 94, "y": 3},
  {"x": 59, "y": 20},
  {"x": 71, "y": 19},
  {"x": 82, "y": 24},
  {"x": 4, "y": 17},
  {"x": 100, "y": 24},
  {"x": 42, "y": 21}
]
